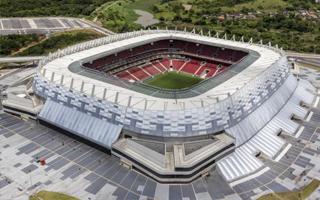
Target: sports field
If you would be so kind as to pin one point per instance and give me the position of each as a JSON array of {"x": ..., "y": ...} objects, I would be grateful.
[{"x": 173, "y": 80}]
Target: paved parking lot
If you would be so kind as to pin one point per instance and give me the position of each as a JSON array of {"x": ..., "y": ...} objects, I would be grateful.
[
  {"x": 42, "y": 25},
  {"x": 88, "y": 173},
  {"x": 77, "y": 168}
]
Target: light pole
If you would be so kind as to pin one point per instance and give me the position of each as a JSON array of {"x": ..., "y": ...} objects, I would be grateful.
[{"x": 3, "y": 95}]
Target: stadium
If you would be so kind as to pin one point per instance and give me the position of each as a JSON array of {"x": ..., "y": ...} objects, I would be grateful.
[{"x": 174, "y": 105}]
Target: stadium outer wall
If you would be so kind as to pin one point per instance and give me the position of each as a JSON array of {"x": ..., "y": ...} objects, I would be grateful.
[{"x": 262, "y": 98}]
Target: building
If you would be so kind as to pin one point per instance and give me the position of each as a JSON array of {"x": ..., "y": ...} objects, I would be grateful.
[{"x": 244, "y": 107}]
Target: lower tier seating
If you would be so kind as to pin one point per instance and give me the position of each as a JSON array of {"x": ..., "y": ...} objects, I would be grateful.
[
  {"x": 193, "y": 66},
  {"x": 150, "y": 69}
]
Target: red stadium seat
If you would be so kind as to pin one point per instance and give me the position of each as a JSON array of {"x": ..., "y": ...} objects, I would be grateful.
[
  {"x": 143, "y": 52},
  {"x": 138, "y": 73},
  {"x": 151, "y": 69},
  {"x": 165, "y": 63},
  {"x": 159, "y": 66},
  {"x": 177, "y": 64},
  {"x": 125, "y": 75},
  {"x": 191, "y": 67}
]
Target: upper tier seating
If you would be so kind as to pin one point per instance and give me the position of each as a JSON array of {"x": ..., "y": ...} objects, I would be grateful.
[{"x": 203, "y": 67}]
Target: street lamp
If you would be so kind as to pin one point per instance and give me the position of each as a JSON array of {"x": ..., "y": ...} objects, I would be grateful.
[{"x": 3, "y": 95}]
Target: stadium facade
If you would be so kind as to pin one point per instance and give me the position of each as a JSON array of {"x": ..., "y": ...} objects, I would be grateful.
[{"x": 245, "y": 107}]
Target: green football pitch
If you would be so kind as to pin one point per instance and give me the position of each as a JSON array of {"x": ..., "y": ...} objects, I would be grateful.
[{"x": 173, "y": 80}]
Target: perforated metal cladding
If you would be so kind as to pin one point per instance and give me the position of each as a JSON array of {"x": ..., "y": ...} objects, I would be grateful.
[
  {"x": 70, "y": 118},
  {"x": 168, "y": 123}
]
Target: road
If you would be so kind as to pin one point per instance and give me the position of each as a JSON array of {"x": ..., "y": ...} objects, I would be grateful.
[
  {"x": 20, "y": 59},
  {"x": 303, "y": 55},
  {"x": 311, "y": 59}
]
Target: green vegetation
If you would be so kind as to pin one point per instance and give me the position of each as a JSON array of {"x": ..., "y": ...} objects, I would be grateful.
[
  {"x": 278, "y": 21},
  {"x": 23, "y": 8},
  {"x": 295, "y": 195},
  {"x": 144, "y": 5},
  {"x": 60, "y": 41},
  {"x": 46, "y": 195},
  {"x": 268, "y": 6},
  {"x": 12, "y": 43},
  {"x": 117, "y": 16},
  {"x": 293, "y": 24},
  {"x": 173, "y": 80}
]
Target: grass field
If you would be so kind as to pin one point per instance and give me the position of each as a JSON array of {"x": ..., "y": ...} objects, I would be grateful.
[
  {"x": 269, "y": 5},
  {"x": 295, "y": 195},
  {"x": 46, "y": 195},
  {"x": 173, "y": 80}
]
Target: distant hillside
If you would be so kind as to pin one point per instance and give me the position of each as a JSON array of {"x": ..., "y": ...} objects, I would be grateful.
[
  {"x": 23, "y": 8},
  {"x": 293, "y": 24}
]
